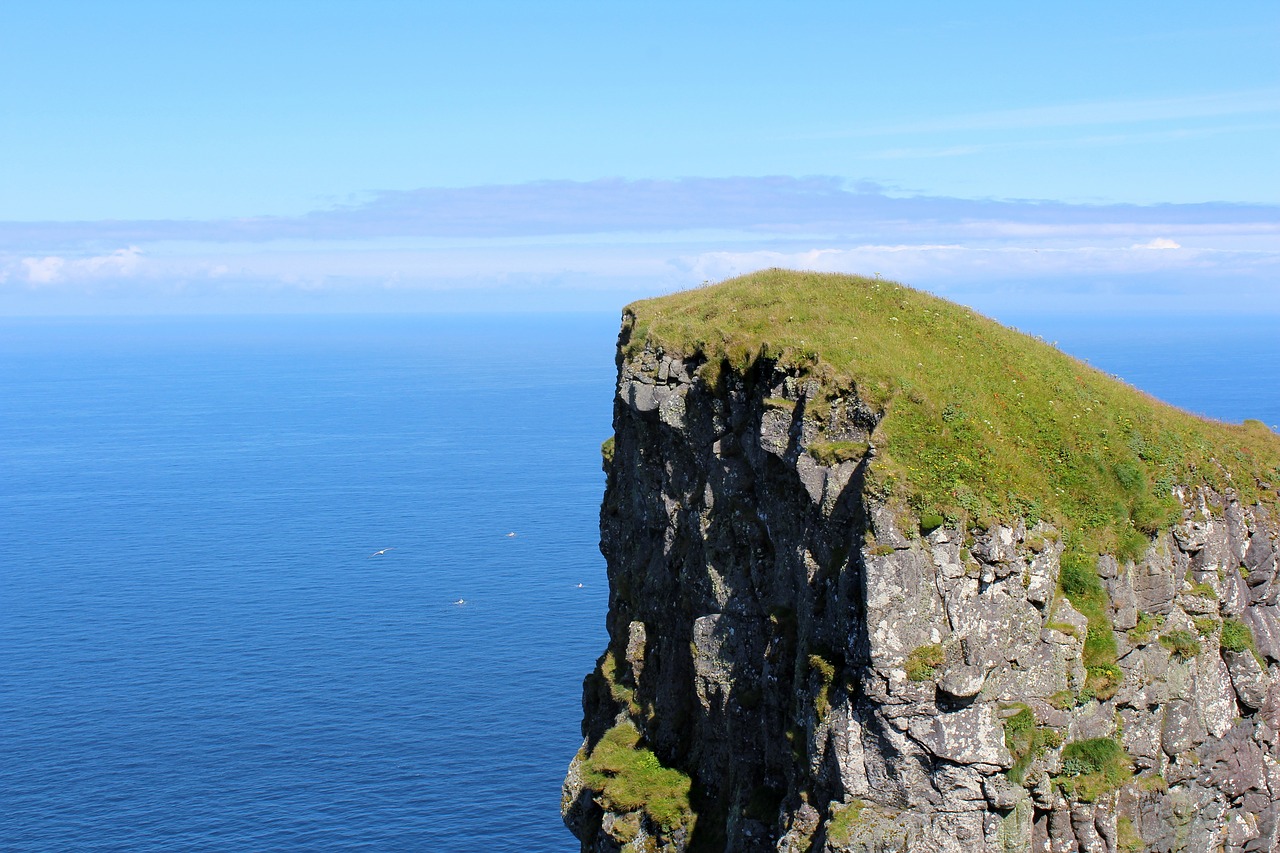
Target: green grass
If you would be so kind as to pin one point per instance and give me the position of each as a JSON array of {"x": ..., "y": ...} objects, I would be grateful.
[
  {"x": 831, "y": 453},
  {"x": 841, "y": 826},
  {"x": 1127, "y": 838},
  {"x": 923, "y": 662},
  {"x": 630, "y": 778},
  {"x": 826, "y": 676},
  {"x": 980, "y": 421},
  {"x": 1026, "y": 740},
  {"x": 1205, "y": 625},
  {"x": 1202, "y": 590},
  {"x": 1091, "y": 768},
  {"x": 1237, "y": 637},
  {"x": 1140, "y": 634},
  {"x": 1078, "y": 581},
  {"x": 1183, "y": 644}
]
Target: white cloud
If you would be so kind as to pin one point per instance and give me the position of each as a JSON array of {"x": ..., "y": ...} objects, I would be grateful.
[
  {"x": 1158, "y": 243},
  {"x": 122, "y": 263},
  {"x": 43, "y": 270}
]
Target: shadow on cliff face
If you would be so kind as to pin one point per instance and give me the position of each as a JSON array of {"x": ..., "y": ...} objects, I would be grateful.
[{"x": 749, "y": 597}]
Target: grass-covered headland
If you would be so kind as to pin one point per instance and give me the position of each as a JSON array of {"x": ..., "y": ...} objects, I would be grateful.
[{"x": 981, "y": 422}]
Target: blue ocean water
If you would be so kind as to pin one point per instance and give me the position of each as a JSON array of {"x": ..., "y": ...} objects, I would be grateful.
[{"x": 197, "y": 651}]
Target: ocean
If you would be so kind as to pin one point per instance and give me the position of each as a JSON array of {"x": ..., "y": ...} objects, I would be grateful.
[{"x": 199, "y": 649}]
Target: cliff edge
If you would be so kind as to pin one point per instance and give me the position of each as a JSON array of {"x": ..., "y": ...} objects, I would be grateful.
[{"x": 887, "y": 576}]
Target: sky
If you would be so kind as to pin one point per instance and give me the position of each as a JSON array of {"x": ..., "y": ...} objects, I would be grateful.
[{"x": 237, "y": 157}]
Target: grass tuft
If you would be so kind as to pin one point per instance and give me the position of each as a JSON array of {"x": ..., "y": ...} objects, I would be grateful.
[
  {"x": 630, "y": 778},
  {"x": 1237, "y": 637},
  {"x": 923, "y": 662},
  {"x": 1091, "y": 768},
  {"x": 1182, "y": 644}
]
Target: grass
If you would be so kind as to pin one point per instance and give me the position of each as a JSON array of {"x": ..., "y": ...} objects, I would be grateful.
[
  {"x": 1237, "y": 637},
  {"x": 620, "y": 693},
  {"x": 1026, "y": 740},
  {"x": 832, "y": 453},
  {"x": 841, "y": 825},
  {"x": 1078, "y": 581},
  {"x": 980, "y": 421},
  {"x": 1140, "y": 634},
  {"x": 1202, "y": 590},
  {"x": 1091, "y": 768},
  {"x": 630, "y": 778},
  {"x": 1182, "y": 644},
  {"x": 826, "y": 676},
  {"x": 1205, "y": 625},
  {"x": 1127, "y": 838},
  {"x": 923, "y": 662}
]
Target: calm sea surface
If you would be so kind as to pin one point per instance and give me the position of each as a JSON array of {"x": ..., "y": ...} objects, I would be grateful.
[{"x": 197, "y": 651}]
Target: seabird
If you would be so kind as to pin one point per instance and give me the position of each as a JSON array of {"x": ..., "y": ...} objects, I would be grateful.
[{"x": 380, "y": 553}]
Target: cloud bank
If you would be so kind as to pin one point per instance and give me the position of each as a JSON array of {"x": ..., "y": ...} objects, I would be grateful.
[{"x": 602, "y": 242}]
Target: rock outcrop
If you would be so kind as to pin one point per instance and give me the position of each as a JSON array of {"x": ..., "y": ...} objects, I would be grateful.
[{"x": 797, "y": 663}]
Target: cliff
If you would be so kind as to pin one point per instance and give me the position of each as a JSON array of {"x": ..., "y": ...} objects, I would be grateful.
[{"x": 887, "y": 576}]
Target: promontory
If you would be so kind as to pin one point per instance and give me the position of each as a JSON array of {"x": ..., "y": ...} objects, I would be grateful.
[{"x": 886, "y": 575}]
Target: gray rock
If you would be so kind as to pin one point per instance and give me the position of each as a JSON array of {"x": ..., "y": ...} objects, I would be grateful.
[
  {"x": 971, "y": 736},
  {"x": 962, "y": 682},
  {"x": 1248, "y": 678}
]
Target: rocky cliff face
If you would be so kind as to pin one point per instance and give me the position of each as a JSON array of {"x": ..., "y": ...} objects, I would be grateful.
[{"x": 796, "y": 665}]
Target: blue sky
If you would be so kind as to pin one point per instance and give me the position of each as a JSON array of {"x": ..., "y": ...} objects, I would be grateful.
[{"x": 161, "y": 157}]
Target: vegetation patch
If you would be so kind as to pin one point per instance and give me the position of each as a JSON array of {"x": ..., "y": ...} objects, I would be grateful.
[
  {"x": 1141, "y": 633},
  {"x": 832, "y": 453},
  {"x": 1237, "y": 637},
  {"x": 980, "y": 421},
  {"x": 923, "y": 662},
  {"x": 1063, "y": 700},
  {"x": 1091, "y": 768},
  {"x": 1102, "y": 681},
  {"x": 1205, "y": 625},
  {"x": 606, "y": 450},
  {"x": 840, "y": 827},
  {"x": 1078, "y": 581},
  {"x": 1182, "y": 644},
  {"x": 1127, "y": 838},
  {"x": 621, "y": 693},
  {"x": 826, "y": 672},
  {"x": 929, "y": 522},
  {"x": 1025, "y": 740},
  {"x": 630, "y": 778},
  {"x": 1203, "y": 590}
]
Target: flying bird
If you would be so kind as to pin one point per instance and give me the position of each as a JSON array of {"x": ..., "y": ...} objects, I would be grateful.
[{"x": 380, "y": 553}]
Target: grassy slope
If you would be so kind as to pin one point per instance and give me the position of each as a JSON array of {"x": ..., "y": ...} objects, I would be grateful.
[{"x": 982, "y": 422}]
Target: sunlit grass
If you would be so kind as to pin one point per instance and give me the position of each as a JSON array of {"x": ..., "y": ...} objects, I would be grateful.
[
  {"x": 981, "y": 422},
  {"x": 630, "y": 778}
]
